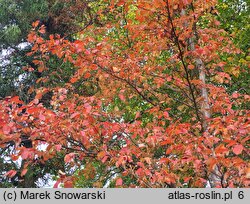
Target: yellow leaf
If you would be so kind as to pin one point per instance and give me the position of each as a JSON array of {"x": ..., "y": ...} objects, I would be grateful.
[
  {"x": 180, "y": 108},
  {"x": 40, "y": 69},
  {"x": 116, "y": 69}
]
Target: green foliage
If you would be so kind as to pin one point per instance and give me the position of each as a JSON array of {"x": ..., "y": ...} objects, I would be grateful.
[
  {"x": 234, "y": 16},
  {"x": 86, "y": 179},
  {"x": 16, "y": 18}
]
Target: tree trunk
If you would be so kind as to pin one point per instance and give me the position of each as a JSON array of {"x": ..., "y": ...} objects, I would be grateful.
[{"x": 215, "y": 176}]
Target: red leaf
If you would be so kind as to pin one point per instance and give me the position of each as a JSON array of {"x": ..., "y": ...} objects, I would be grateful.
[
  {"x": 36, "y": 101},
  {"x": 10, "y": 173},
  {"x": 139, "y": 172},
  {"x": 24, "y": 171},
  {"x": 68, "y": 184},
  {"x": 74, "y": 115},
  {"x": 137, "y": 115},
  {"x": 200, "y": 51},
  {"x": 221, "y": 64},
  {"x": 104, "y": 159},
  {"x": 69, "y": 157},
  {"x": 87, "y": 107},
  {"x": 166, "y": 115},
  {"x": 122, "y": 97},
  {"x": 83, "y": 133},
  {"x": 185, "y": 2},
  {"x": 235, "y": 95},
  {"x": 42, "y": 117},
  {"x": 57, "y": 183},
  {"x": 237, "y": 149},
  {"x": 25, "y": 154},
  {"x": 6, "y": 129},
  {"x": 58, "y": 147},
  {"x": 186, "y": 179},
  {"x": 118, "y": 182}
]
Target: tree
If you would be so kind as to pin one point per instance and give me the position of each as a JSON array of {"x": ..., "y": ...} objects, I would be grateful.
[
  {"x": 61, "y": 17},
  {"x": 16, "y": 77},
  {"x": 162, "y": 115},
  {"x": 238, "y": 13}
]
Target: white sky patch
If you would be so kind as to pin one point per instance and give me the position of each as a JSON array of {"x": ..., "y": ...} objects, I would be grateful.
[
  {"x": 6, "y": 52},
  {"x": 49, "y": 184},
  {"x": 42, "y": 147},
  {"x": 23, "y": 45},
  {"x": 208, "y": 184}
]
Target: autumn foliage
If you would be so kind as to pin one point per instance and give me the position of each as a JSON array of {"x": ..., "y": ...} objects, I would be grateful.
[{"x": 161, "y": 112}]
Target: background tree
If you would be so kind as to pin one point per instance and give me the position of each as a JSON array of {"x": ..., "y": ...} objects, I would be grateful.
[
  {"x": 233, "y": 16},
  {"x": 16, "y": 78}
]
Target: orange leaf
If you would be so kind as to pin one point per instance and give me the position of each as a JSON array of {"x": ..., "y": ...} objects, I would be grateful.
[
  {"x": 35, "y": 24},
  {"x": 31, "y": 38},
  {"x": 16, "y": 100},
  {"x": 190, "y": 66},
  {"x": 101, "y": 154},
  {"x": 32, "y": 110},
  {"x": 73, "y": 80},
  {"x": 42, "y": 29},
  {"x": 221, "y": 150},
  {"x": 164, "y": 160},
  {"x": 211, "y": 162},
  {"x": 167, "y": 141},
  {"x": 40, "y": 69},
  {"x": 248, "y": 173},
  {"x": 148, "y": 160},
  {"x": 87, "y": 75}
]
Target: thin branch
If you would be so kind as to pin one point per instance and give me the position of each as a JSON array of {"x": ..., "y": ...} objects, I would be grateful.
[
  {"x": 129, "y": 83},
  {"x": 183, "y": 63}
]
